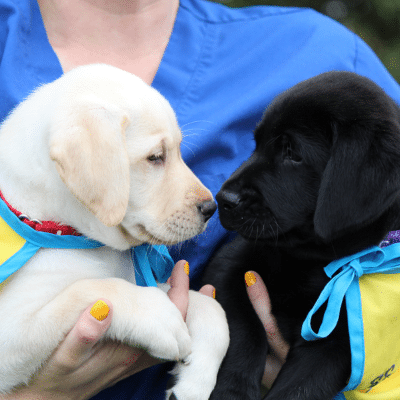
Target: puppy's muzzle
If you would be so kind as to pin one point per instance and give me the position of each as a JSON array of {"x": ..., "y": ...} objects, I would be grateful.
[
  {"x": 228, "y": 201},
  {"x": 243, "y": 211}
]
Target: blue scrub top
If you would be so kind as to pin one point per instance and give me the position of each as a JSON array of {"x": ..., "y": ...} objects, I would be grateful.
[{"x": 221, "y": 68}]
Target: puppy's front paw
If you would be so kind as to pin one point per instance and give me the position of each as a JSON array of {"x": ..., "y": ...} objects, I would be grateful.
[
  {"x": 191, "y": 387},
  {"x": 160, "y": 327},
  {"x": 168, "y": 339},
  {"x": 195, "y": 377},
  {"x": 232, "y": 389}
]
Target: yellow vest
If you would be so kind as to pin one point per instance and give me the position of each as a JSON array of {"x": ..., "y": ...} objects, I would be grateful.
[
  {"x": 369, "y": 282},
  {"x": 380, "y": 299}
]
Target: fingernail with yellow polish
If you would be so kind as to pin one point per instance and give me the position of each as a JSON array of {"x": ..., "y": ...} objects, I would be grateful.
[
  {"x": 250, "y": 279},
  {"x": 186, "y": 268},
  {"x": 213, "y": 294},
  {"x": 100, "y": 310}
]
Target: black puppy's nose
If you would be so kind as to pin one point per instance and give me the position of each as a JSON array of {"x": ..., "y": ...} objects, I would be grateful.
[
  {"x": 227, "y": 200},
  {"x": 207, "y": 208}
]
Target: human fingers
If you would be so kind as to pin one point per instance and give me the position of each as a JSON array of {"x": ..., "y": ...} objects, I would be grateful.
[
  {"x": 208, "y": 290},
  {"x": 179, "y": 281},
  {"x": 259, "y": 298},
  {"x": 272, "y": 367}
]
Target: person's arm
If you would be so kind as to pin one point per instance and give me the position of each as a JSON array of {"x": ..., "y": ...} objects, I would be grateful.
[
  {"x": 82, "y": 365},
  {"x": 259, "y": 298}
]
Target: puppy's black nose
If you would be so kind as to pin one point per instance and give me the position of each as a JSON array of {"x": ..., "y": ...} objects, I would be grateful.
[
  {"x": 207, "y": 208},
  {"x": 227, "y": 200}
]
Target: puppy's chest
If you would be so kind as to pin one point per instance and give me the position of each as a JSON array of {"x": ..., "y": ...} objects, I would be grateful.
[
  {"x": 102, "y": 262},
  {"x": 52, "y": 270},
  {"x": 293, "y": 285}
]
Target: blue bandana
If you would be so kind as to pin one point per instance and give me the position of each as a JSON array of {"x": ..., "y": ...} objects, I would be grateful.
[
  {"x": 19, "y": 242},
  {"x": 151, "y": 263}
]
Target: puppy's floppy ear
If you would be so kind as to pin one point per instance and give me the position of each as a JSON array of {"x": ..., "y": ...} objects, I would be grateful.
[
  {"x": 88, "y": 147},
  {"x": 360, "y": 181}
]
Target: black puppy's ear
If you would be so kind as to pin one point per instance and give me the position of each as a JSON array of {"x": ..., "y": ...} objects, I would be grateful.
[{"x": 360, "y": 181}]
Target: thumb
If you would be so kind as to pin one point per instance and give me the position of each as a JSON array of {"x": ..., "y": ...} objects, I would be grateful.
[
  {"x": 89, "y": 329},
  {"x": 179, "y": 281}
]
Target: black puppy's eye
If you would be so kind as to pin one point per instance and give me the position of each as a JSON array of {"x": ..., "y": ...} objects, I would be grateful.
[{"x": 289, "y": 153}]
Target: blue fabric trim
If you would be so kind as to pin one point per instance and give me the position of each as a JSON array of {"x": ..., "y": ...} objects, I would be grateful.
[
  {"x": 333, "y": 293},
  {"x": 368, "y": 261},
  {"x": 45, "y": 239},
  {"x": 16, "y": 261},
  {"x": 151, "y": 263},
  {"x": 356, "y": 333},
  {"x": 339, "y": 396}
]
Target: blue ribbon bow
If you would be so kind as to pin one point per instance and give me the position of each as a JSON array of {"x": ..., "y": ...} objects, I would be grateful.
[
  {"x": 151, "y": 263},
  {"x": 369, "y": 261}
]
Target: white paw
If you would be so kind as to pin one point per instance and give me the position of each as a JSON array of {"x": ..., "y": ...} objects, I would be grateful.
[
  {"x": 157, "y": 325},
  {"x": 194, "y": 379}
]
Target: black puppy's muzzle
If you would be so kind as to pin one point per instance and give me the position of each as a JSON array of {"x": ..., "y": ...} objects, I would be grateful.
[
  {"x": 228, "y": 201},
  {"x": 239, "y": 210},
  {"x": 240, "y": 204},
  {"x": 229, "y": 207}
]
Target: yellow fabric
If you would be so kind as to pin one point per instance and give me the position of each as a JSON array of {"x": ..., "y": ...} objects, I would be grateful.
[
  {"x": 10, "y": 243},
  {"x": 380, "y": 294}
]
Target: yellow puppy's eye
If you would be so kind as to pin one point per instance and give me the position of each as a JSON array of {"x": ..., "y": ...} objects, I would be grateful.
[{"x": 157, "y": 158}]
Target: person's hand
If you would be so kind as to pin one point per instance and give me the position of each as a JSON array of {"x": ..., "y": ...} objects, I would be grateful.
[
  {"x": 259, "y": 298},
  {"x": 83, "y": 365}
]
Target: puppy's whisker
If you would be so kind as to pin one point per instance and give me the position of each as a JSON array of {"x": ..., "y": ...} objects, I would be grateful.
[
  {"x": 273, "y": 233},
  {"x": 277, "y": 231},
  {"x": 251, "y": 226},
  {"x": 196, "y": 122},
  {"x": 262, "y": 230},
  {"x": 274, "y": 139},
  {"x": 184, "y": 144},
  {"x": 194, "y": 132}
]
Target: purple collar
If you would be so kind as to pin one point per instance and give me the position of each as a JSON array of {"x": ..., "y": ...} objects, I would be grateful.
[{"x": 392, "y": 237}]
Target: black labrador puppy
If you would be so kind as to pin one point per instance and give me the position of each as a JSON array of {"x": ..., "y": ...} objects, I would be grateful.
[{"x": 322, "y": 183}]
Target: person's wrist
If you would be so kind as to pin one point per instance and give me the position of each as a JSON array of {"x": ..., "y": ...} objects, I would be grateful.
[{"x": 29, "y": 394}]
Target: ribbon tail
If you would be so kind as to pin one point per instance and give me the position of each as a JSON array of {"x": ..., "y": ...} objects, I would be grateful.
[
  {"x": 151, "y": 263},
  {"x": 333, "y": 293},
  {"x": 143, "y": 273},
  {"x": 163, "y": 263}
]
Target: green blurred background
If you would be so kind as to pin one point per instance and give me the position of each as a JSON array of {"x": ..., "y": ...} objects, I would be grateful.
[{"x": 375, "y": 21}]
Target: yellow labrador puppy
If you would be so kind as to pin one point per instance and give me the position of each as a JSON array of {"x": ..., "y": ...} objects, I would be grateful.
[{"x": 99, "y": 150}]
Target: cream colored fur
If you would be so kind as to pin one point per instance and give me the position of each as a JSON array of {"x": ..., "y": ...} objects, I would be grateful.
[{"x": 98, "y": 150}]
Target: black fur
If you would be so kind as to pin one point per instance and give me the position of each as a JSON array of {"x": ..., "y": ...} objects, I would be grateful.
[{"x": 322, "y": 183}]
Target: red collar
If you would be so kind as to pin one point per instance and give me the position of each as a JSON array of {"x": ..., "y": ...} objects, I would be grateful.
[{"x": 42, "y": 226}]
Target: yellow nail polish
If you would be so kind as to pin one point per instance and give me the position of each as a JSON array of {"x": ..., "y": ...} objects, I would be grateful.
[
  {"x": 100, "y": 310},
  {"x": 250, "y": 279},
  {"x": 186, "y": 268},
  {"x": 213, "y": 294}
]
